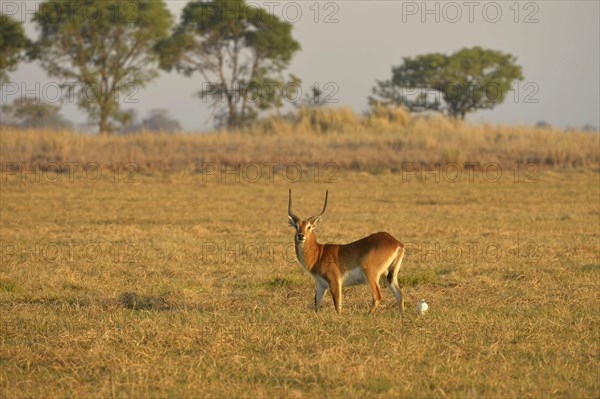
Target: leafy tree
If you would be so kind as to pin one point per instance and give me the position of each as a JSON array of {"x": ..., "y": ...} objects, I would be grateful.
[
  {"x": 106, "y": 47},
  {"x": 130, "y": 122},
  {"x": 239, "y": 50},
  {"x": 159, "y": 120},
  {"x": 30, "y": 113},
  {"x": 13, "y": 42},
  {"x": 466, "y": 81}
]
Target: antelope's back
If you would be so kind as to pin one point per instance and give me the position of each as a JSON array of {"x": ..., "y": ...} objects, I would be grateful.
[{"x": 378, "y": 249}]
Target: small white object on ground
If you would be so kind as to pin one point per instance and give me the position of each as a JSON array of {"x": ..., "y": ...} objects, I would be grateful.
[{"x": 422, "y": 307}]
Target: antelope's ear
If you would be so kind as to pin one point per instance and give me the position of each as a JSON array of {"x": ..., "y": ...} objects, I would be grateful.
[
  {"x": 315, "y": 220},
  {"x": 292, "y": 222}
]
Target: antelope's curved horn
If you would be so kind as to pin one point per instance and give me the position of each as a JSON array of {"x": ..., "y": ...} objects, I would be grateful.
[
  {"x": 324, "y": 206},
  {"x": 290, "y": 213}
]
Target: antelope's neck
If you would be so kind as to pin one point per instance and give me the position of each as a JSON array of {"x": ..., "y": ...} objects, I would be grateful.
[{"x": 309, "y": 252}]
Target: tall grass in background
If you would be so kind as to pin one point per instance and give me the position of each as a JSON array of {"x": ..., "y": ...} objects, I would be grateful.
[{"x": 382, "y": 140}]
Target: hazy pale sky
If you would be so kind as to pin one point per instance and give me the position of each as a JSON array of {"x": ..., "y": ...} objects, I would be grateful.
[{"x": 350, "y": 44}]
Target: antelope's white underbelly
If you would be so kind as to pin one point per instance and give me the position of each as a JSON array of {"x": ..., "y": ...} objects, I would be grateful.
[{"x": 353, "y": 277}]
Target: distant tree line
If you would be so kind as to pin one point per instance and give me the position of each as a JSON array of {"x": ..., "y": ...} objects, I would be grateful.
[
  {"x": 28, "y": 113},
  {"x": 240, "y": 52}
]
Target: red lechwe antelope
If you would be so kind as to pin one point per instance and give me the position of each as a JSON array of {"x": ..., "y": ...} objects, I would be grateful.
[{"x": 334, "y": 266}]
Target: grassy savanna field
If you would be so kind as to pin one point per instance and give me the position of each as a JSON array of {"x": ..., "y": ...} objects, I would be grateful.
[{"x": 184, "y": 284}]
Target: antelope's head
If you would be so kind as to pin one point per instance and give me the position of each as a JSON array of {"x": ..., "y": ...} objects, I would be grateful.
[{"x": 304, "y": 228}]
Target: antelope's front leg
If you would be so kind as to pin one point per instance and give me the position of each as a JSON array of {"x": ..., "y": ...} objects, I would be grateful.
[
  {"x": 336, "y": 292},
  {"x": 320, "y": 292}
]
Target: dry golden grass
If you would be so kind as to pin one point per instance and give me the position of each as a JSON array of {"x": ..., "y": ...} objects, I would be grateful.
[
  {"x": 384, "y": 140},
  {"x": 176, "y": 287}
]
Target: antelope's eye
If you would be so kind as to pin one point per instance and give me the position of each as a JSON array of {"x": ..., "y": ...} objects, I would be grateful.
[{"x": 309, "y": 227}]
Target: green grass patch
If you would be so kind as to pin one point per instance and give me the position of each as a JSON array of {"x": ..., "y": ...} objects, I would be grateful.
[
  {"x": 414, "y": 279},
  {"x": 7, "y": 286}
]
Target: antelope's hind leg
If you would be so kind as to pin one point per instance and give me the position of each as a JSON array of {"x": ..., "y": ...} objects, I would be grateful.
[
  {"x": 392, "y": 282},
  {"x": 395, "y": 288}
]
